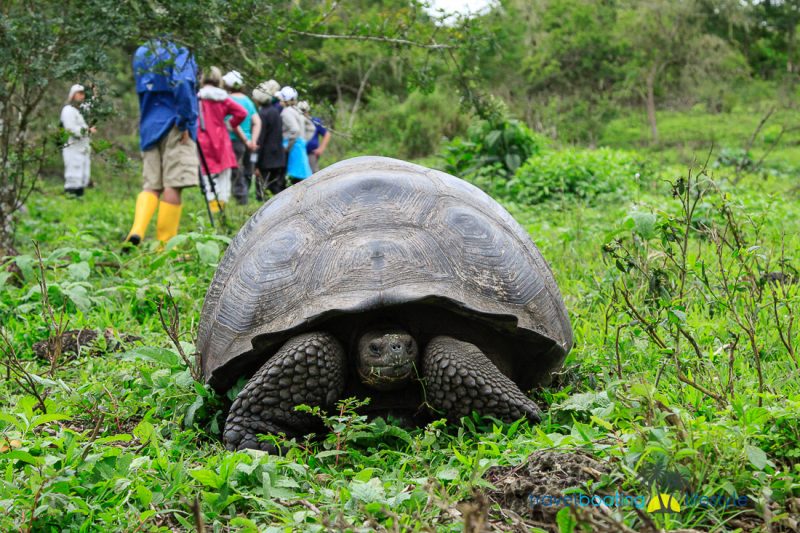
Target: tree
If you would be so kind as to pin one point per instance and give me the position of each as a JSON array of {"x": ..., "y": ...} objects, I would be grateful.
[
  {"x": 665, "y": 40},
  {"x": 39, "y": 45},
  {"x": 658, "y": 34},
  {"x": 576, "y": 63},
  {"x": 48, "y": 45}
]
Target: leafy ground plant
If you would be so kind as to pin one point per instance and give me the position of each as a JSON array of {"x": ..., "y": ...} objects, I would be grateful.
[{"x": 130, "y": 441}]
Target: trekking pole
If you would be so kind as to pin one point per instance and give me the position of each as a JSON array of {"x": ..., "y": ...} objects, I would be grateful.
[
  {"x": 203, "y": 192},
  {"x": 211, "y": 184}
]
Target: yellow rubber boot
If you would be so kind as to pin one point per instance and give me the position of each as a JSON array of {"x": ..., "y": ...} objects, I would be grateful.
[
  {"x": 169, "y": 216},
  {"x": 216, "y": 206},
  {"x": 146, "y": 204}
]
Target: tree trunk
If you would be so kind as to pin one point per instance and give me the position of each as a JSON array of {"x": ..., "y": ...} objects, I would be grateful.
[
  {"x": 7, "y": 196},
  {"x": 651, "y": 103},
  {"x": 360, "y": 93},
  {"x": 6, "y": 222}
]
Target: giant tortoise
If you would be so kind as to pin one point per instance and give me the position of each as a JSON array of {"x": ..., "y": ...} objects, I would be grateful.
[{"x": 383, "y": 279}]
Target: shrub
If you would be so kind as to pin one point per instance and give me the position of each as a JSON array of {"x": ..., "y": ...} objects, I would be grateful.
[
  {"x": 501, "y": 145},
  {"x": 734, "y": 157},
  {"x": 576, "y": 172},
  {"x": 410, "y": 128}
]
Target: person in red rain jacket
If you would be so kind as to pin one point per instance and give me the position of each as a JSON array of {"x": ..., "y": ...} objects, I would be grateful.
[{"x": 213, "y": 138}]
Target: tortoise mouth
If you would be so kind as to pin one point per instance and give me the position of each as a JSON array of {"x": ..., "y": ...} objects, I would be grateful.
[
  {"x": 392, "y": 371},
  {"x": 387, "y": 377}
]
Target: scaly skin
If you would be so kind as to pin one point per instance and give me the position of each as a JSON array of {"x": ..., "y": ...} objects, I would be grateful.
[
  {"x": 309, "y": 369},
  {"x": 459, "y": 379}
]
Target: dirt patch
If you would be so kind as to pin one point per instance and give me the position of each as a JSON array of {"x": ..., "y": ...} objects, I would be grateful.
[
  {"x": 546, "y": 473},
  {"x": 84, "y": 341},
  {"x": 552, "y": 473}
]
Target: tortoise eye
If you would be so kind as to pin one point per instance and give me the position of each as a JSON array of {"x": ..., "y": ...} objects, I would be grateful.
[{"x": 374, "y": 348}]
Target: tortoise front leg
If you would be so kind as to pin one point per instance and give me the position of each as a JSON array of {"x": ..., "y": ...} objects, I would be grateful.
[
  {"x": 309, "y": 369},
  {"x": 459, "y": 379}
]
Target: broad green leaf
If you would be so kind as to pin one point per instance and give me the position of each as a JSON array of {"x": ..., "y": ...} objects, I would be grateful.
[
  {"x": 207, "y": 477},
  {"x": 176, "y": 241},
  {"x": 603, "y": 423},
  {"x": 157, "y": 355},
  {"x": 46, "y": 419},
  {"x": 245, "y": 524},
  {"x": 22, "y": 456},
  {"x": 566, "y": 522},
  {"x": 79, "y": 296},
  {"x": 25, "y": 264},
  {"x": 144, "y": 431},
  {"x": 367, "y": 492},
  {"x": 329, "y": 453},
  {"x": 208, "y": 252},
  {"x": 188, "y": 420},
  {"x": 123, "y": 437},
  {"x": 79, "y": 271},
  {"x": 756, "y": 456},
  {"x": 364, "y": 475},
  {"x": 447, "y": 473}
]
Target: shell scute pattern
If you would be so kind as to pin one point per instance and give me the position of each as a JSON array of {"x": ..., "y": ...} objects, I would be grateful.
[{"x": 370, "y": 232}]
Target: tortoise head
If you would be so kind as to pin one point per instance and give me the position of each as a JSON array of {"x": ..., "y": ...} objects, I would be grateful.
[{"x": 387, "y": 358}]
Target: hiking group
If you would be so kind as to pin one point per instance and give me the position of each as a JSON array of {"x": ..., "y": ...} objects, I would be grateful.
[{"x": 216, "y": 128}]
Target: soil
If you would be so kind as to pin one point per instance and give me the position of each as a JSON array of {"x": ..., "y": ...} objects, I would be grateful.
[
  {"x": 77, "y": 341},
  {"x": 545, "y": 473},
  {"x": 551, "y": 473}
]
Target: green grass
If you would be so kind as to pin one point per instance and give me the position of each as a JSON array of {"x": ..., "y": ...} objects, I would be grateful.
[
  {"x": 688, "y": 137},
  {"x": 129, "y": 441}
]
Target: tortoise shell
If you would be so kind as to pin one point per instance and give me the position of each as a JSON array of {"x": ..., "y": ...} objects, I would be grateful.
[{"x": 371, "y": 235}]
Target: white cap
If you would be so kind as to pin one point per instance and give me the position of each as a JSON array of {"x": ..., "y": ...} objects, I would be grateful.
[
  {"x": 265, "y": 91},
  {"x": 304, "y": 106},
  {"x": 287, "y": 94},
  {"x": 233, "y": 79},
  {"x": 77, "y": 88}
]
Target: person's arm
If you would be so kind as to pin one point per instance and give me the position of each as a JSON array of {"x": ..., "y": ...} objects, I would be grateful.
[
  {"x": 255, "y": 132},
  {"x": 236, "y": 112},
  {"x": 184, "y": 72},
  {"x": 323, "y": 145},
  {"x": 185, "y": 106},
  {"x": 262, "y": 135},
  {"x": 240, "y": 133}
]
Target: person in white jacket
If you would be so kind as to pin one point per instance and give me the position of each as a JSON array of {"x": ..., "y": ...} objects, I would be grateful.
[
  {"x": 77, "y": 149},
  {"x": 297, "y": 166}
]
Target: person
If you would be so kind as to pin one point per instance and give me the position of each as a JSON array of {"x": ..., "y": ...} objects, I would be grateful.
[
  {"x": 243, "y": 174},
  {"x": 271, "y": 162},
  {"x": 166, "y": 77},
  {"x": 215, "y": 144},
  {"x": 297, "y": 167},
  {"x": 315, "y": 147},
  {"x": 77, "y": 149}
]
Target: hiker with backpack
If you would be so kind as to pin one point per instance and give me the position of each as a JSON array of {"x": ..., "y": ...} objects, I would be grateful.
[{"x": 166, "y": 77}]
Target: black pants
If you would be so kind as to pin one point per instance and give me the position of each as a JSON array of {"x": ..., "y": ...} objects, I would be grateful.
[
  {"x": 242, "y": 176},
  {"x": 271, "y": 179}
]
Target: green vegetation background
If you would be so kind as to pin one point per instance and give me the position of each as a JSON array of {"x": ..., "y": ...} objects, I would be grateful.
[{"x": 128, "y": 440}]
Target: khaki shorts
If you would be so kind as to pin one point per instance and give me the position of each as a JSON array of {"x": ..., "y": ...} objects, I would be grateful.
[{"x": 170, "y": 163}]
